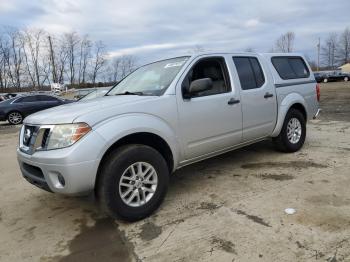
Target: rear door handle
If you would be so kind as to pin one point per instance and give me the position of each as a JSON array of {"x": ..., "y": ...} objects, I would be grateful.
[
  {"x": 233, "y": 101},
  {"x": 268, "y": 95}
]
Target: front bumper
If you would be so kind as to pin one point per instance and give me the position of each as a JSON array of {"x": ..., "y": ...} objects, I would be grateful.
[{"x": 70, "y": 171}]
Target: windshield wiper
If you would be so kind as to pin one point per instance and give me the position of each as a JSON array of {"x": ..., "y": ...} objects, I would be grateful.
[{"x": 130, "y": 93}]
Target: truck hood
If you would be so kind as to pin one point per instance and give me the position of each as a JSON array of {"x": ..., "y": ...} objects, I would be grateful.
[{"x": 69, "y": 112}]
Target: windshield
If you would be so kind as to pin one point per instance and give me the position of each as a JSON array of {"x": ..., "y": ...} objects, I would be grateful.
[{"x": 151, "y": 79}]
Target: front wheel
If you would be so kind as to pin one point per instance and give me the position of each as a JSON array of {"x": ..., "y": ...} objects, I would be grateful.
[
  {"x": 346, "y": 79},
  {"x": 325, "y": 80},
  {"x": 15, "y": 118},
  {"x": 133, "y": 182},
  {"x": 293, "y": 133}
]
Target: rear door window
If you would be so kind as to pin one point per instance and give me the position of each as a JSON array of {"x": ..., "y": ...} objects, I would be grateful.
[
  {"x": 249, "y": 72},
  {"x": 290, "y": 67}
]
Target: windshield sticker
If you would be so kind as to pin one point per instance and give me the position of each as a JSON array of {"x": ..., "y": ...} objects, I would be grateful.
[{"x": 176, "y": 64}]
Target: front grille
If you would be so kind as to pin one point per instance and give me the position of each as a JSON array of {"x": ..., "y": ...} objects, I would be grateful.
[
  {"x": 34, "y": 138},
  {"x": 28, "y": 134}
]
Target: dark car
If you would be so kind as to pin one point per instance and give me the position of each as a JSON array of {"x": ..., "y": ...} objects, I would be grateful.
[
  {"x": 14, "y": 110},
  {"x": 332, "y": 77},
  {"x": 320, "y": 77}
]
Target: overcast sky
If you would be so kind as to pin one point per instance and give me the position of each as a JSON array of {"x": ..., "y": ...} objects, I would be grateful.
[{"x": 151, "y": 29}]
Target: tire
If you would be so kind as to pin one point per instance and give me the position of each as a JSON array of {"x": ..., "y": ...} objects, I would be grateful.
[
  {"x": 325, "y": 80},
  {"x": 117, "y": 171},
  {"x": 295, "y": 140},
  {"x": 346, "y": 79},
  {"x": 15, "y": 118}
]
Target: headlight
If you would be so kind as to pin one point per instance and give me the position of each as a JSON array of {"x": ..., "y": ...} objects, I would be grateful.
[{"x": 66, "y": 135}]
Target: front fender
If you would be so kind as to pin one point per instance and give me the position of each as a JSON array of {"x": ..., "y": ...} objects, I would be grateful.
[
  {"x": 123, "y": 125},
  {"x": 284, "y": 106}
]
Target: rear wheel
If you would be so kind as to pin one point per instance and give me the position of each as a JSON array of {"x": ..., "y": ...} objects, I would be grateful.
[
  {"x": 133, "y": 182},
  {"x": 346, "y": 79},
  {"x": 325, "y": 80},
  {"x": 15, "y": 118},
  {"x": 293, "y": 133}
]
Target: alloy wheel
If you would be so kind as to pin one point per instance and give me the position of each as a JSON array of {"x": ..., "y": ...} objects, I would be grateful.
[
  {"x": 15, "y": 118},
  {"x": 294, "y": 130},
  {"x": 138, "y": 184}
]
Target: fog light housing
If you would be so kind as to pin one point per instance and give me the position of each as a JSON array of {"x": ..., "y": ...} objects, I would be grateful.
[{"x": 61, "y": 180}]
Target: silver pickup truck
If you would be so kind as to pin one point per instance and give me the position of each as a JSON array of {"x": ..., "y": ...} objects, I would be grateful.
[{"x": 163, "y": 116}]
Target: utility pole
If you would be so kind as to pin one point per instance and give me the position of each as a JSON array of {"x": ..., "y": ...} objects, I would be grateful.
[
  {"x": 318, "y": 53},
  {"x": 52, "y": 58},
  {"x": 329, "y": 55}
]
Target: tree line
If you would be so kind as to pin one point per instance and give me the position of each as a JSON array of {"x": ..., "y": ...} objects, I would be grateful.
[
  {"x": 35, "y": 58},
  {"x": 335, "y": 49}
]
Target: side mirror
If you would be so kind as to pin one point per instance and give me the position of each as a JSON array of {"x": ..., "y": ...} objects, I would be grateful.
[{"x": 200, "y": 85}]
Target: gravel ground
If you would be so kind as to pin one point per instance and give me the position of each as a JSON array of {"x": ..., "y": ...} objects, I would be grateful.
[{"x": 229, "y": 208}]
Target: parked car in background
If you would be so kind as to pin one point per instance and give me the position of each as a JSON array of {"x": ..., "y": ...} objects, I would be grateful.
[
  {"x": 164, "y": 116},
  {"x": 338, "y": 76},
  {"x": 319, "y": 77},
  {"x": 95, "y": 94},
  {"x": 14, "y": 110},
  {"x": 331, "y": 76}
]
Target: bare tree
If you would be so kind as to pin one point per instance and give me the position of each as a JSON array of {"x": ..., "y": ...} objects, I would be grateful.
[
  {"x": 115, "y": 69},
  {"x": 3, "y": 57},
  {"x": 28, "y": 68},
  {"x": 71, "y": 41},
  {"x": 98, "y": 60},
  {"x": 34, "y": 58},
  {"x": 17, "y": 57},
  {"x": 120, "y": 66},
  {"x": 343, "y": 51},
  {"x": 11, "y": 56},
  {"x": 84, "y": 56},
  {"x": 328, "y": 51},
  {"x": 127, "y": 65},
  {"x": 62, "y": 59},
  {"x": 32, "y": 48},
  {"x": 285, "y": 42}
]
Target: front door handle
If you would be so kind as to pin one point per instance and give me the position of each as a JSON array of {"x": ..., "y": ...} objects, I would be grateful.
[
  {"x": 233, "y": 101},
  {"x": 268, "y": 95}
]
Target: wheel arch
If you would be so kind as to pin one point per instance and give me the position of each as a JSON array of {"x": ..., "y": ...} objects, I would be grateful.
[
  {"x": 14, "y": 110},
  {"x": 295, "y": 101},
  {"x": 301, "y": 108},
  {"x": 144, "y": 138}
]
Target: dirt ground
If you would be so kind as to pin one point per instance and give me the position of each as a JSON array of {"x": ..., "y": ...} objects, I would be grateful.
[{"x": 229, "y": 208}]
